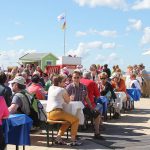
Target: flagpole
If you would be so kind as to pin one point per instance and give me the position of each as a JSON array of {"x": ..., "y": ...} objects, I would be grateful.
[
  {"x": 64, "y": 41},
  {"x": 65, "y": 35},
  {"x": 60, "y": 18}
]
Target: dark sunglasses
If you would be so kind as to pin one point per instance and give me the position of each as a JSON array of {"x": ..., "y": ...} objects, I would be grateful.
[
  {"x": 76, "y": 77},
  {"x": 102, "y": 78}
]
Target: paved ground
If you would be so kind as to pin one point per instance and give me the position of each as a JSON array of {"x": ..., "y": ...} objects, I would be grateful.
[{"x": 131, "y": 131}]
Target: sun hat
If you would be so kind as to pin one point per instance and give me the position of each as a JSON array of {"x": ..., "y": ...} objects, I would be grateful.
[
  {"x": 115, "y": 75},
  {"x": 19, "y": 80}
]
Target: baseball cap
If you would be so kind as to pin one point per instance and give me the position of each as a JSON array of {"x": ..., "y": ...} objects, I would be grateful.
[{"x": 19, "y": 80}]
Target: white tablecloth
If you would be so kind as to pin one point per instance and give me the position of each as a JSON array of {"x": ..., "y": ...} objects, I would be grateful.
[{"x": 74, "y": 107}]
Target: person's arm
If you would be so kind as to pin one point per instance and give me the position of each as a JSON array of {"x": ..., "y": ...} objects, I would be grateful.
[
  {"x": 88, "y": 102},
  {"x": 66, "y": 97},
  {"x": 16, "y": 103},
  {"x": 13, "y": 108}
]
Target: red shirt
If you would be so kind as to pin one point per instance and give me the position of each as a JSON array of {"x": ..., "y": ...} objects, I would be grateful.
[{"x": 92, "y": 90}]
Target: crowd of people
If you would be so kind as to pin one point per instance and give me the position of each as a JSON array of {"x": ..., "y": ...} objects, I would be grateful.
[{"x": 80, "y": 85}]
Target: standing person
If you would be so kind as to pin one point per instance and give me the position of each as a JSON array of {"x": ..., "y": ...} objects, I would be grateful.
[
  {"x": 57, "y": 96},
  {"x": 107, "y": 70},
  {"x": 4, "y": 113},
  {"x": 94, "y": 72},
  {"x": 5, "y": 91}
]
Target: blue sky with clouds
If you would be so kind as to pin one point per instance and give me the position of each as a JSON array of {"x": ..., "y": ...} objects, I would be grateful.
[{"x": 100, "y": 31}]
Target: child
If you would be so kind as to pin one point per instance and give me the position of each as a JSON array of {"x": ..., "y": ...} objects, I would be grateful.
[{"x": 4, "y": 113}]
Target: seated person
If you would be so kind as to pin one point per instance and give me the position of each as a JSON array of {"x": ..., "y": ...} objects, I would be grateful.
[
  {"x": 93, "y": 95},
  {"x": 119, "y": 86},
  {"x": 78, "y": 92},
  {"x": 19, "y": 102},
  {"x": 134, "y": 83},
  {"x": 36, "y": 88},
  {"x": 118, "y": 83},
  {"x": 57, "y": 95},
  {"x": 105, "y": 87}
]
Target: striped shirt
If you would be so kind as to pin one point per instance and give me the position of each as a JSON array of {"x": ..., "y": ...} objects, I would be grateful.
[{"x": 79, "y": 92}]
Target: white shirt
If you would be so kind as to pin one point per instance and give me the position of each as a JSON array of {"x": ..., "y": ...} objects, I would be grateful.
[
  {"x": 55, "y": 98},
  {"x": 136, "y": 83}
]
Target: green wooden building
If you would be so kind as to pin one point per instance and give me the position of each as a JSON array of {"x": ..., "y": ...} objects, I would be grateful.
[{"x": 40, "y": 59}]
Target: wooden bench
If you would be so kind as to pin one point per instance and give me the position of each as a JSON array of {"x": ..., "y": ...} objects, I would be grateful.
[{"x": 52, "y": 123}]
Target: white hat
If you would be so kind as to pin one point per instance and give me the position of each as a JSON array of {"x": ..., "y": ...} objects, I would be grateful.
[
  {"x": 19, "y": 80},
  {"x": 115, "y": 75}
]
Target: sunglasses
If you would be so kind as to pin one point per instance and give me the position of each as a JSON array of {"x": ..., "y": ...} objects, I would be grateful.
[
  {"x": 102, "y": 78},
  {"x": 76, "y": 77}
]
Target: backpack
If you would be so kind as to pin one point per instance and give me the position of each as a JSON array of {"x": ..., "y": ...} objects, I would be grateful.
[{"x": 37, "y": 113}]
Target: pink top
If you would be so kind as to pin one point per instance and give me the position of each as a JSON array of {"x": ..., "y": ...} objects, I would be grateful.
[
  {"x": 4, "y": 113},
  {"x": 38, "y": 90}
]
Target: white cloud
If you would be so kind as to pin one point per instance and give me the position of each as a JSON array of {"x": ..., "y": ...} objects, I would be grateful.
[
  {"x": 11, "y": 57},
  {"x": 15, "y": 38},
  {"x": 105, "y": 33},
  {"x": 84, "y": 48},
  {"x": 147, "y": 52},
  {"x": 115, "y": 4},
  {"x": 80, "y": 33},
  {"x": 146, "y": 36},
  {"x": 141, "y": 4},
  {"x": 113, "y": 58},
  {"x": 134, "y": 24},
  {"x": 109, "y": 45}
]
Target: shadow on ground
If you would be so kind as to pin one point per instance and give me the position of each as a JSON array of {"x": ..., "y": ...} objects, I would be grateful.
[{"x": 116, "y": 136}]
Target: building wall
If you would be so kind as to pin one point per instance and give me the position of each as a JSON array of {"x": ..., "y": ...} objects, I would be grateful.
[{"x": 49, "y": 59}]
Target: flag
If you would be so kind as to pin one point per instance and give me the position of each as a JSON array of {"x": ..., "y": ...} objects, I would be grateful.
[
  {"x": 64, "y": 25},
  {"x": 61, "y": 17}
]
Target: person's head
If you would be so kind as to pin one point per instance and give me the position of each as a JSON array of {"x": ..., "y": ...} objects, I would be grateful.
[
  {"x": 133, "y": 76},
  {"x": 18, "y": 83},
  {"x": 27, "y": 66},
  {"x": 93, "y": 69},
  {"x": 86, "y": 75},
  {"x": 114, "y": 68},
  {"x": 59, "y": 80},
  {"x": 76, "y": 77},
  {"x": 103, "y": 77},
  {"x": 141, "y": 66},
  {"x": 106, "y": 65},
  {"x": 35, "y": 78},
  {"x": 24, "y": 74},
  {"x": 38, "y": 68},
  {"x": 3, "y": 77}
]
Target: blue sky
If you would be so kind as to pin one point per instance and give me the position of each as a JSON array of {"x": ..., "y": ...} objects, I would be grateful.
[{"x": 99, "y": 31}]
